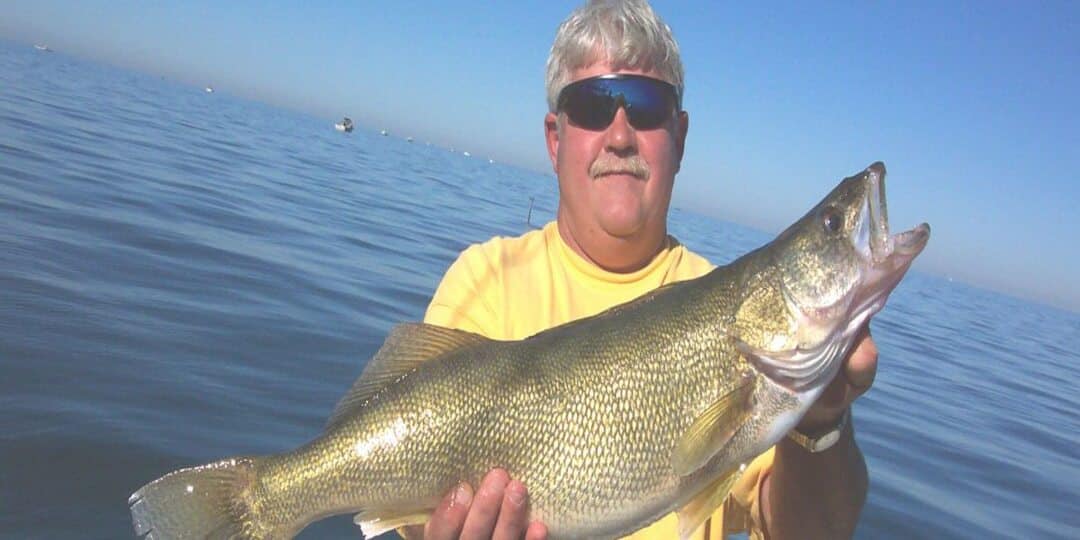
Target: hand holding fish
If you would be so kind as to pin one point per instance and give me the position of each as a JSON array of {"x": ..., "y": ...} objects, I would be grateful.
[
  {"x": 835, "y": 476},
  {"x": 854, "y": 379},
  {"x": 499, "y": 509}
]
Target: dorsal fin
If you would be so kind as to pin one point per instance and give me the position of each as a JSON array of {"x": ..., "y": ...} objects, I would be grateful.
[{"x": 407, "y": 346}]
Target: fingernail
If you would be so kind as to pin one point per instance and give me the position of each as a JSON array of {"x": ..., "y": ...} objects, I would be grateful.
[
  {"x": 463, "y": 495},
  {"x": 516, "y": 493}
]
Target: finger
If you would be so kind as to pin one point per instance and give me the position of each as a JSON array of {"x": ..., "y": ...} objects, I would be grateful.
[
  {"x": 835, "y": 395},
  {"x": 537, "y": 531},
  {"x": 861, "y": 365},
  {"x": 480, "y": 522},
  {"x": 514, "y": 513},
  {"x": 449, "y": 516},
  {"x": 828, "y": 407}
]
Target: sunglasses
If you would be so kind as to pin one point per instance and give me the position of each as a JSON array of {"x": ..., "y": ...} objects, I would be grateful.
[{"x": 592, "y": 103}]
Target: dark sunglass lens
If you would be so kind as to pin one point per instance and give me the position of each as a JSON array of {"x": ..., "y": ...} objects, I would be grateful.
[
  {"x": 646, "y": 117},
  {"x": 590, "y": 107},
  {"x": 649, "y": 103}
]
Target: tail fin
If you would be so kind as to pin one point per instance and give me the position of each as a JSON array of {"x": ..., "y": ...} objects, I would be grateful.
[{"x": 198, "y": 502}]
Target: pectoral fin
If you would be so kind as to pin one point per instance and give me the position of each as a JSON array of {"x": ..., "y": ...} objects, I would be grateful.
[
  {"x": 713, "y": 428},
  {"x": 705, "y": 503}
]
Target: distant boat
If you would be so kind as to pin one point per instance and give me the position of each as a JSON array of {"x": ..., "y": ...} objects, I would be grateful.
[
  {"x": 43, "y": 48},
  {"x": 209, "y": 89},
  {"x": 408, "y": 139},
  {"x": 384, "y": 133},
  {"x": 466, "y": 153},
  {"x": 345, "y": 125}
]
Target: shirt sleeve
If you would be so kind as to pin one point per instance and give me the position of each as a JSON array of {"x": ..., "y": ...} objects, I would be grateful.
[
  {"x": 463, "y": 298},
  {"x": 742, "y": 508}
]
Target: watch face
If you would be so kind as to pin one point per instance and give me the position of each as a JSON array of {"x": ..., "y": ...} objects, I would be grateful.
[{"x": 826, "y": 441}]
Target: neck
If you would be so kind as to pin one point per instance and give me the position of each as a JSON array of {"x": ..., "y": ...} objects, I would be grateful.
[{"x": 612, "y": 253}]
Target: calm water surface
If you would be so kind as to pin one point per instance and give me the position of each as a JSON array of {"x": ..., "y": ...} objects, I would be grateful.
[{"x": 186, "y": 276}]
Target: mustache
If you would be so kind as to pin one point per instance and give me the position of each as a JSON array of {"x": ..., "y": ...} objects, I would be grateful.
[{"x": 633, "y": 165}]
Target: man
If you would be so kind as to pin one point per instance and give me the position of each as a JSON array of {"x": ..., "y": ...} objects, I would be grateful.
[{"x": 615, "y": 135}]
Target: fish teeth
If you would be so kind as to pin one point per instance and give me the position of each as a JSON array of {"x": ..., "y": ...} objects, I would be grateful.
[{"x": 880, "y": 242}]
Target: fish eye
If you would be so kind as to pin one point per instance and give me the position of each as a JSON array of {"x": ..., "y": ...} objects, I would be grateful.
[{"x": 832, "y": 220}]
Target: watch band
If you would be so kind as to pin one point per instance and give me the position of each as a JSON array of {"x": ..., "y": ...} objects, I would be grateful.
[{"x": 825, "y": 440}]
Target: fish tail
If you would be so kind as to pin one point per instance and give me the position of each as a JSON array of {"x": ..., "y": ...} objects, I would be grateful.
[{"x": 208, "y": 501}]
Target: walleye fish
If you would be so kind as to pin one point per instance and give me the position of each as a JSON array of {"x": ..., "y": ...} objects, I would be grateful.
[{"x": 611, "y": 421}]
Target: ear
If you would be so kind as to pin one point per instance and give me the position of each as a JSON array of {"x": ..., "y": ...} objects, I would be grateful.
[
  {"x": 551, "y": 136},
  {"x": 682, "y": 125}
]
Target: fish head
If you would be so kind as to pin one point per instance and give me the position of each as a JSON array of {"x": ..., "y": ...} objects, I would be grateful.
[{"x": 837, "y": 264}]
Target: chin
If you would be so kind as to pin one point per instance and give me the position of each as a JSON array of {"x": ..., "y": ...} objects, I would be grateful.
[{"x": 622, "y": 226}]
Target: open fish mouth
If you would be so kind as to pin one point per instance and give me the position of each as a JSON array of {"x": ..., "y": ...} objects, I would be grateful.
[
  {"x": 903, "y": 247},
  {"x": 887, "y": 257},
  {"x": 833, "y": 290}
]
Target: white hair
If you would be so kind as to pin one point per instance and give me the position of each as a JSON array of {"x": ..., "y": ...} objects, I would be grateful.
[{"x": 625, "y": 33}]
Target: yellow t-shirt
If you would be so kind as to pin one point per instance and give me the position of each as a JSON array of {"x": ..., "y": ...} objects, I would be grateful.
[{"x": 512, "y": 288}]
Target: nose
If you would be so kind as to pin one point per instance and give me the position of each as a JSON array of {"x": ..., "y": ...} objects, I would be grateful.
[{"x": 620, "y": 136}]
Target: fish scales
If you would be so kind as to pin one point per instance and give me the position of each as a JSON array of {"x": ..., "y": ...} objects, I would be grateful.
[{"x": 577, "y": 422}]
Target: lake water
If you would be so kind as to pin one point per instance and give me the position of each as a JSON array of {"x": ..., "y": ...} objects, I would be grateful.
[{"x": 186, "y": 276}]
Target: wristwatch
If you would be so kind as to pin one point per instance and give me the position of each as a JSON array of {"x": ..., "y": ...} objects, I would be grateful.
[{"x": 823, "y": 441}]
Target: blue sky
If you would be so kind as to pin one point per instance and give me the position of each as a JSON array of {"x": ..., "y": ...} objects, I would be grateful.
[{"x": 972, "y": 105}]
